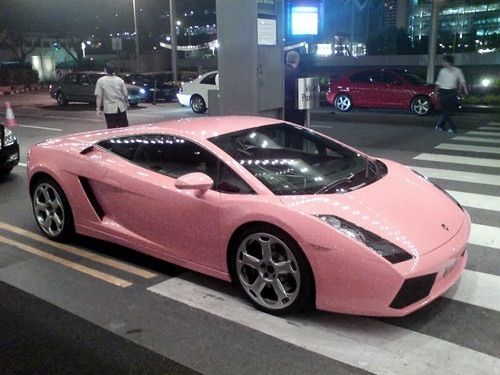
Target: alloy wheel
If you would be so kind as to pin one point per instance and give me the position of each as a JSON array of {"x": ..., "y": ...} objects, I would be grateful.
[
  {"x": 343, "y": 103},
  {"x": 198, "y": 104},
  {"x": 421, "y": 106},
  {"x": 49, "y": 209},
  {"x": 268, "y": 271}
]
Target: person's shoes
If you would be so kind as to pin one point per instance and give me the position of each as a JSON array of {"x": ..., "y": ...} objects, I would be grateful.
[
  {"x": 453, "y": 131},
  {"x": 439, "y": 129}
]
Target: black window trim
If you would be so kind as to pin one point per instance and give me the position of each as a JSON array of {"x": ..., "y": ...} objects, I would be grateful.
[{"x": 218, "y": 160}]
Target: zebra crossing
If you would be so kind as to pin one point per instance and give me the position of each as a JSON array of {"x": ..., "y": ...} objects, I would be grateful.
[{"x": 426, "y": 343}]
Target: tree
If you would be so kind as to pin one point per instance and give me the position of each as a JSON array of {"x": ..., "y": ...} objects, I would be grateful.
[
  {"x": 17, "y": 42},
  {"x": 391, "y": 41}
]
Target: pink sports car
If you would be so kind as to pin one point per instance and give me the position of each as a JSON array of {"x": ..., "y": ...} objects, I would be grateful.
[{"x": 293, "y": 217}]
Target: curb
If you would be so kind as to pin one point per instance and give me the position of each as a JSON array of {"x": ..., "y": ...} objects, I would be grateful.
[{"x": 9, "y": 90}]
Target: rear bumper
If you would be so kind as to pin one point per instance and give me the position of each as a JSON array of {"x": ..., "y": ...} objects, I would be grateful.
[{"x": 184, "y": 99}]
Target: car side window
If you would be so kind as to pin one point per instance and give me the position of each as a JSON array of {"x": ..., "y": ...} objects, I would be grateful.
[
  {"x": 229, "y": 182},
  {"x": 362, "y": 77},
  {"x": 209, "y": 80},
  {"x": 390, "y": 78},
  {"x": 70, "y": 78},
  {"x": 83, "y": 80}
]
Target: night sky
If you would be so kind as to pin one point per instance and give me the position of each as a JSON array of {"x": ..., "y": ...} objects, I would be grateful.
[{"x": 87, "y": 17}]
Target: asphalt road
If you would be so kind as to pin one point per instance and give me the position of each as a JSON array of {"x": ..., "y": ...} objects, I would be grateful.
[{"x": 128, "y": 313}]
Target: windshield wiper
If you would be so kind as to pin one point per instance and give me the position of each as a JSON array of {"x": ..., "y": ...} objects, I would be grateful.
[{"x": 334, "y": 184}]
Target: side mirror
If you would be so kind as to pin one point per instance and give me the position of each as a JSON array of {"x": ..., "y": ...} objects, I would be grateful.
[{"x": 194, "y": 181}]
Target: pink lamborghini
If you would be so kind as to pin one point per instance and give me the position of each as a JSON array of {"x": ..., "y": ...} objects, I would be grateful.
[{"x": 291, "y": 216}]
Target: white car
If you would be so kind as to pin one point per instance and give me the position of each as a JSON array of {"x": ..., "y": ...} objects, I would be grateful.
[{"x": 195, "y": 93}]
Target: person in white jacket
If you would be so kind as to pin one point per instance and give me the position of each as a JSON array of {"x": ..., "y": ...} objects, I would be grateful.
[
  {"x": 449, "y": 83},
  {"x": 112, "y": 98}
]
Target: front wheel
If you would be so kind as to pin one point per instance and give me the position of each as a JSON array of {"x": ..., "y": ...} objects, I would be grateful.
[
  {"x": 52, "y": 210},
  {"x": 272, "y": 271},
  {"x": 198, "y": 104},
  {"x": 343, "y": 103},
  {"x": 421, "y": 105}
]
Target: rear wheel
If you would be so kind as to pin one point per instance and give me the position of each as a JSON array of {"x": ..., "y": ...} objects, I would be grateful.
[
  {"x": 343, "y": 103},
  {"x": 272, "y": 270},
  {"x": 61, "y": 99},
  {"x": 198, "y": 104},
  {"x": 51, "y": 209},
  {"x": 421, "y": 105}
]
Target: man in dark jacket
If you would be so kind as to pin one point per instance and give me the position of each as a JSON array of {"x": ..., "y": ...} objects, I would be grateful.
[{"x": 292, "y": 74}]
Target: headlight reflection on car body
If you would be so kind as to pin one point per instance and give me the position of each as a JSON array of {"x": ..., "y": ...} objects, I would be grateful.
[
  {"x": 386, "y": 249},
  {"x": 9, "y": 138}
]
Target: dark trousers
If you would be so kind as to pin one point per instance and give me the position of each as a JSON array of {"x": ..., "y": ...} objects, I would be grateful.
[
  {"x": 449, "y": 104},
  {"x": 116, "y": 120}
]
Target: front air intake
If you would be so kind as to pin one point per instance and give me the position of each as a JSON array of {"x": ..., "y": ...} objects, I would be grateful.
[{"x": 413, "y": 290}]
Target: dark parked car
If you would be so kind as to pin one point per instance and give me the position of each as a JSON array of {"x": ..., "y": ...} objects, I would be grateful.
[
  {"x": 165, "y": 88},
  {"x": 9, "y": 150},
  {"x": 382, "y": 88},
  {"x": 80, "y": 87}
]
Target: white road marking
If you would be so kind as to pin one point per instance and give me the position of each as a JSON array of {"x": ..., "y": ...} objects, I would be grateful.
[
  {"x": 473, "y": 200},
  {"x": 470, "y": 177},
  {"x": 361, "y": 342},
  {"x": 488, "y": 128},
  {"x": 321, "y": 126},
  {"x": 75, "y": 118},
  {"x": 478, "y": 132},
  {"x": 465, "y": 160},
  {"x": 485, "y": 235},
  {"x": 40, "y": 127},
  {"x": 24, "y": 165},
  {"x": 493, "y": 123},
  {"x": 468, "y": 148},
  {"x": 476, "y": 139},
  {"x": 477, "y": 288}
]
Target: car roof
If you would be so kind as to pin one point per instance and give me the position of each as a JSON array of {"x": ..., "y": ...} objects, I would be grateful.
[{"x": 191, "y": 128}]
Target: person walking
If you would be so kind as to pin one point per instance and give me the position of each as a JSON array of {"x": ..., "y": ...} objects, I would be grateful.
[
  {"x": 449, "y": 82},
  {"x": 112, "y": 98},
  {"x": 292, "y": 74}
]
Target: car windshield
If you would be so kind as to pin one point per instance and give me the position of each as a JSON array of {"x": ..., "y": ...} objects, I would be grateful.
[
  {"x": 413, "y": 78},
  {"x": 292, "y": 160}
]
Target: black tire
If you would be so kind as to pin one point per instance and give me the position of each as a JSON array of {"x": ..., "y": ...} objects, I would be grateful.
[
  {"x": 68, "y": 227},
  {"x": 343, "y": 103},
  {"x": 306, "y": 289},
  {"x": 198, "y": 104},
  {"x": 5, "y": 171},
  {"x": 421, "y": 105},
  {"x": 61, "y": 99}
]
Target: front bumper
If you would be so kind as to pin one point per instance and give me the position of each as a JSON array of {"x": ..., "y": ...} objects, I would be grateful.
[
  {"x": 9, "y": 157},
  {"x": 135, "y": 99},
  {"x": 396, "y": 290}
]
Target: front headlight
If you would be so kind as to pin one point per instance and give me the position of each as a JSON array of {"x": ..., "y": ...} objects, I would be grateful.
[
  {"x": 142, "y": 91},
  {"x": 386, "y": 249},
  {"x": 9, "y": 138}
]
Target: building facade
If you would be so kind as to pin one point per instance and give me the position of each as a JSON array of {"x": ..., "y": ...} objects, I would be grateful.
[{"x": 477, "y": 19}]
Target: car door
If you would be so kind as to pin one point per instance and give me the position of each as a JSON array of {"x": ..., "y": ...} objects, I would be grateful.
[
  {"x": 84, "y": 89},
  {"x": 68, "y": 86},
  {"x": 177, "y": 222},
  {"x": 362, "y": 89},
  {"x": 391, "y": 91}
]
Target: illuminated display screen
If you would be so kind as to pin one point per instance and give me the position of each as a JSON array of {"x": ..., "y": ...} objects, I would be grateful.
[{"x": 304, "y": 20}]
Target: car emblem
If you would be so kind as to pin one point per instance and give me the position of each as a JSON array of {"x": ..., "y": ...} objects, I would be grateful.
[{"x": 445, "y": 227}]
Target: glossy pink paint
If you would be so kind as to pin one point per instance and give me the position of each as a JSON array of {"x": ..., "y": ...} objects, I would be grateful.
[{"x": 148, "y": 212}]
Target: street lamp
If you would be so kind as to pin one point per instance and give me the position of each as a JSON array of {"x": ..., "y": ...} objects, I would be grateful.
[{"x": 136, "y": 32}]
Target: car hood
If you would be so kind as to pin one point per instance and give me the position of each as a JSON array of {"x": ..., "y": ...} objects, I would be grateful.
[{"x": 402, "y": 207}]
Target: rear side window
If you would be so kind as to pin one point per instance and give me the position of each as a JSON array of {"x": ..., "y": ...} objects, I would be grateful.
[
  {"x": 209, "y": 80},
  {"x": 175, "y": 157}
]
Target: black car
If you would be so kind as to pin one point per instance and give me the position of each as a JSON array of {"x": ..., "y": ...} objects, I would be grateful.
[
  {"x": 166, "y": 89},
  {"x": 9, "y": 150}
]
